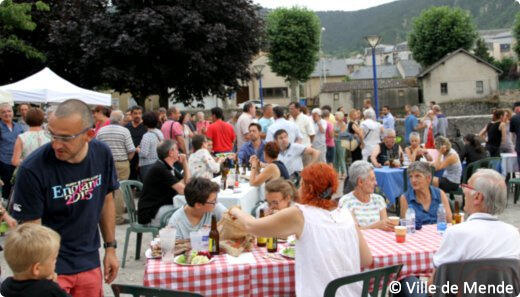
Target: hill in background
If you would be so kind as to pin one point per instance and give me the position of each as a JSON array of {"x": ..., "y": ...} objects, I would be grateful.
[{"x": 345, "y": 29}]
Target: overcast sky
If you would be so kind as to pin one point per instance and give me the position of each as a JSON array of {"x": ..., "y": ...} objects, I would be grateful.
[{"x": 321, "y": 5}]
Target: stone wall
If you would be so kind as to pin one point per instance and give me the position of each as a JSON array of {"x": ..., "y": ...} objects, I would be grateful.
[{"x": 467, "y": 124}]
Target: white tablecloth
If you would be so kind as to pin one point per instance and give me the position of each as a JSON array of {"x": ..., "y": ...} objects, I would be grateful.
[
  {"x": 509, "y": 163},
  {"x": 246, "y": 198}
]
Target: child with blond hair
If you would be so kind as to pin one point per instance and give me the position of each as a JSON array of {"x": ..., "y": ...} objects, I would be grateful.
[{"x": 31, "y": 251}]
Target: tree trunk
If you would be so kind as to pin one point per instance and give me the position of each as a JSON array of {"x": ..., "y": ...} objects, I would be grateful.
[
  {"x": 164, "y": 97},
  {"x": 293, "y": 84}
]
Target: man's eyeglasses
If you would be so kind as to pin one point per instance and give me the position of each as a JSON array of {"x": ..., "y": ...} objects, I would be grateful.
[
  {"x": 212, "y": 203},
  {"x": 64, "y": 138},
  {"x": 466, "y": 186}
]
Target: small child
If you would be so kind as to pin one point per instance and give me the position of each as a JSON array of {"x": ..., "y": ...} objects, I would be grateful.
[{"x": 31, "y": 251}]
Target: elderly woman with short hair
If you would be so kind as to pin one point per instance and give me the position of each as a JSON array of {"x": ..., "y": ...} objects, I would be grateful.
[
  {"x": 369, "y": 209},
  {"x": 422, "y": 197},
  {"x": 449, "y": 160},
  {"x": 371, "y": 133},
  {"x": 416, "y": 150}
]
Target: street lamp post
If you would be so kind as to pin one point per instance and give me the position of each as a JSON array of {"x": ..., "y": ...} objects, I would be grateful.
[
  {"x": 258, "y": 72},
  {"x": 322, "y": 62},
  {"x": 373, "y": 41}
]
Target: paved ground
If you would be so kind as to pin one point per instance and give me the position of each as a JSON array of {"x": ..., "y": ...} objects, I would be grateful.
[{"x": 134, "y": 271}]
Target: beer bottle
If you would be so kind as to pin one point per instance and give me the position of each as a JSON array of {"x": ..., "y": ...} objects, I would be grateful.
[
  {"x": 261, "y": 241},
  {"x": 237, "y": 172},
  {"x": 272, "y": 245},
  {"x": 214, "y": 247},
  {"x": 457, "y": 218}
]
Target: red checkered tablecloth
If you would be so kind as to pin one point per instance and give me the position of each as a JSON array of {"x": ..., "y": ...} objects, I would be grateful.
[
  {"x": 265, "y": 278},
  {"x": 276, "y": 278},
  {"x": 416, "y": 253}
]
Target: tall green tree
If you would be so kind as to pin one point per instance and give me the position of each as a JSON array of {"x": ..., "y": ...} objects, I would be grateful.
[
  {"x": 293, "y": 36},
  {"x": 482, "y": 51},
  {"x": 508, "y": 67},
  {"x": 15, "y": 18},
  {"x": 516, "y": 34},
  {"x": 439, "y": 31},
  {"x": 180, "y": 49}
]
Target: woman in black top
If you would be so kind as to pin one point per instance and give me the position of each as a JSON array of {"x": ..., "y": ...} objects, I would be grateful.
[
  {"x": 473, "y": 149},
  {"x": 495, "y": 133},
  {"x": 354, "y": 129},
  {"x": 273, "y": 170}
]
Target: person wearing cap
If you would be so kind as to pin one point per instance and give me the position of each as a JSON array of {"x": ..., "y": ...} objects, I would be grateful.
[
  {"x": 514, "y": 127},
  {"x": 320, "y": 126}
]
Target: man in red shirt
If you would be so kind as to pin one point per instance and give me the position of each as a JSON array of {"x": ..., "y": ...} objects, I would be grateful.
[{"x": 221, "y": 133}]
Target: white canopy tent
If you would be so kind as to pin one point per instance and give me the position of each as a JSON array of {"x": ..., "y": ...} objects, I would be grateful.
[{"x": 48, "y": 87}]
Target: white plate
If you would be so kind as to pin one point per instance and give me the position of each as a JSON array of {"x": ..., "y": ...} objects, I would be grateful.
[
  {"x": 283, "y": 249},
  {"x": 148, "y": 254},
  {"x": 177, "y": 257}
]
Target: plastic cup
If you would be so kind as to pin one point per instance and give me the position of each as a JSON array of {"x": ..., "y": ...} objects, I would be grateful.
[
  {"x": 400, "y": 234},
  {"x": 167, "y": 239},
  {"x": 4, "y": 227},
  {"x": 394, "y": 220}
]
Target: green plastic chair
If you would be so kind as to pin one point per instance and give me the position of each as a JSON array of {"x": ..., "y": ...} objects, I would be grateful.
[
  {"x": 126, "y": 188},
  {"x": 366, "y": 277},
  {"x": 514, "y": 182},
  {"x": 166, "y": 217},
  {"x": 137, "y": 291}
]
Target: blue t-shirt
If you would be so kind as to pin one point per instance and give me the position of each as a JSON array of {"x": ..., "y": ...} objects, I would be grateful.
[
  {"x": 426, "y": 217},
  {"x": 410, "y": 123},
  {"x": 265, "y": 123},
  {"x": 7, "y": 141},
  {"x": 68, "y": 198}
]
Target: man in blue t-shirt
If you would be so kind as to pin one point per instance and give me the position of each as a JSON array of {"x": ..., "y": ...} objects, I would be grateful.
[
  {"x": 67, "y": 185},
  {"x": 411, "y": 124}
]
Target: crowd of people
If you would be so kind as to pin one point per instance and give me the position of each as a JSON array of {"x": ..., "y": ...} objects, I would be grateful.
[{"x": 63, "y": 171}]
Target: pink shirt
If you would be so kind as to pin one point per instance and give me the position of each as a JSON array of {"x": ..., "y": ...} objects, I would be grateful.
[
  {"x": 99, "y": 126},
  {"x": 329, "y": 140},
  {"x": 200, "y": 125},
  {"x": 171, "y": 129}
]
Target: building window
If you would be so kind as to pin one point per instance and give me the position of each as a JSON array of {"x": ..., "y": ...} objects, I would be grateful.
[
  {"x": 444, "y": 88},
  {"x": 480, "y": 87},
  {"x": 336, "y": 96},
  {"x": 505, "y": 47},
  {"x": 400, "y": 93},
  {"x": 274, "y": 92}
]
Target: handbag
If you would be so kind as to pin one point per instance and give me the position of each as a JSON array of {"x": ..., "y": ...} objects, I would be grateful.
[{"x": 349, "y": 141}]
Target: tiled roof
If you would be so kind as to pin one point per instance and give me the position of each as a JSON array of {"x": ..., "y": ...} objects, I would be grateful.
[
  {"x": 383, "y": 71},
  {"x": 410, "y": 68},
  {"x": 368, "y": 85},
  {"x": 332, "y": 67}
]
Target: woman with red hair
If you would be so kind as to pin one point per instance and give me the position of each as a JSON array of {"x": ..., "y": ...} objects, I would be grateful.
[{"x": 329, "y": 245}]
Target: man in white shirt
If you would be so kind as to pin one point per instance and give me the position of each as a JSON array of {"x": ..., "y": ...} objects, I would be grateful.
[
  {"x": 245, "y": 119},
  {"x": 281, "y": 123},
  {"x": 303, "y": 122},
  {"x": 482, "y": 235},
  {"x": 319, "y": 139},
  {"x": 291, "y": 153},
  {"x": 367, "y": 104}
]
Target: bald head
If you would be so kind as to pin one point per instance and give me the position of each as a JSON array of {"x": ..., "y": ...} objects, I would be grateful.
[{"x": 75, "y": 107}]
